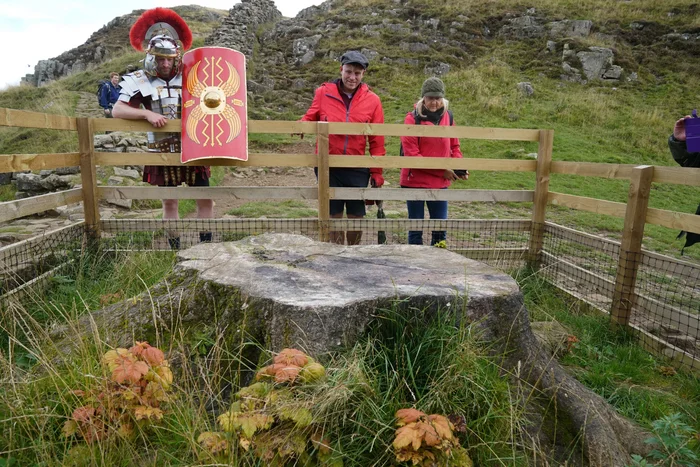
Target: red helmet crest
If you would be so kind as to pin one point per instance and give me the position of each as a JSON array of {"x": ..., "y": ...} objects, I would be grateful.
[{"x": 163, "y": 21}]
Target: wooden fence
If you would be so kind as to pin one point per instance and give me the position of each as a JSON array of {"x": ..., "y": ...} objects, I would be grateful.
[{"x": 635, "y": 212}]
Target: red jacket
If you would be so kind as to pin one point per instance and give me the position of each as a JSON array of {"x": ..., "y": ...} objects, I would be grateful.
[
  {"x": 365, "y": 107},
  {"x": 427, "y": 147}
]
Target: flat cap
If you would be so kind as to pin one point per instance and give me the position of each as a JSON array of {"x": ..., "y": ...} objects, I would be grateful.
[{"x": 353, "y": 56}]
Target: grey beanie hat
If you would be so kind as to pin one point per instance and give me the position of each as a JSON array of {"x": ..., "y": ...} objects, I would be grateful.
[{"x": 433, "y": 87}]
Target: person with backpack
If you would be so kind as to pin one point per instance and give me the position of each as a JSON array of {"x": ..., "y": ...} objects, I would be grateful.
[
  {"x": 108, "y": 93},
  {"x": 431, "y": 109}
]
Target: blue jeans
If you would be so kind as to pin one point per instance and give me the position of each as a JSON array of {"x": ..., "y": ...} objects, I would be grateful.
[{"x": 416, "y": 210}]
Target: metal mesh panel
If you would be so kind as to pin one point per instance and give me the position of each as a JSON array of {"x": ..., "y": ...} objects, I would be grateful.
[
  {"x": 583, "y": 265},
  {"x": 667, "y": 305},
  {"x": 31, "y": 260},
  {"x": 662, "y": 303},
  {"x": 501, "y": 243}
]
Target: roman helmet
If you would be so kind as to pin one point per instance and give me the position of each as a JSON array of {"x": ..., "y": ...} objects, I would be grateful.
[{"x": 164, "y": 34}]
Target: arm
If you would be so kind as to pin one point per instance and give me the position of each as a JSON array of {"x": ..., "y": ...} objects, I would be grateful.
[
  {"x": 126, "y": 111},
  {"x": 314, "y": 112},
  {"x": 679, "y": 150},
  {"x": 376, "y": 147}
]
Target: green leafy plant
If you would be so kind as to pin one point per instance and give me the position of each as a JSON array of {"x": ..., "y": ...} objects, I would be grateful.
[
  {"x": 441, "y": 244},
  {"x": 138, "y": 385},
  {"x": 272, "y": 418},
  {"x": 675, "y": 443},
  {"x": 427, "y": 440}
]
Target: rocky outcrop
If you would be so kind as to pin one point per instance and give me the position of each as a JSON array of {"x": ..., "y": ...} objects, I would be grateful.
[{"x": 238, "y": 30}]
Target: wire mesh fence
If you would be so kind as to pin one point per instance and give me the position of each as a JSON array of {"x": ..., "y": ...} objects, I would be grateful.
[
  {"x": 658, "y": 296},
  {"x": 34, "y": 259}
]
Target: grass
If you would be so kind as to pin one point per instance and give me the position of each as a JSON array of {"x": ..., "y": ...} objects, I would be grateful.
[{"x": 288, "y": 209}]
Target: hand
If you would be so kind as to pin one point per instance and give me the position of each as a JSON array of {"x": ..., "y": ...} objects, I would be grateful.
[
  {"x": 462, "y": 174},
  {"x": 679, "y": 129},
  {"x": 155, "y": 119},
  {"x": 449, "y": 174},
  {"x": 376, "y": 180}
]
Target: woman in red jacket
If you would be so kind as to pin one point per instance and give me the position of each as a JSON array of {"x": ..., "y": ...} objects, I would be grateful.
[{"x": 431, "y": 109}]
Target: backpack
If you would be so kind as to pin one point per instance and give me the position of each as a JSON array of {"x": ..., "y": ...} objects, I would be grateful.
[
  {"x": 417, "y": 119},
  {"x": 100, "y": 86}
]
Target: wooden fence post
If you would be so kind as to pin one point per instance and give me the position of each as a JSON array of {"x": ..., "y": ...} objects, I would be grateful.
[
  {"x": 631, "y": 245},
  {"x": 324, "y": 203},
  {"x": 88, "y": 173},
  {"x": 539, "y": 206}
]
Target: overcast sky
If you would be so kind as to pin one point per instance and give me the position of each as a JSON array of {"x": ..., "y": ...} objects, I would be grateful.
[{"x": 33, "y": 30}]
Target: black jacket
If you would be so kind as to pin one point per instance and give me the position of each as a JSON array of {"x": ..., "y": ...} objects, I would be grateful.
[{"x": 680, "y": 153}]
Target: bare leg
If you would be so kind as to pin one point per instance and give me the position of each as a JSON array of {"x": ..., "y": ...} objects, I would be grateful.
[
  {"x": 354, "y": 236},
  {"x": 205, "y": 209},
  {"x": 170, "y": 212},
  {"x": 337, "y": 236}
]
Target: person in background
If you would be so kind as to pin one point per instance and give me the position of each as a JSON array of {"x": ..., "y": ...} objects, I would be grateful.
[
  {"x": 109, "y": 94},
  {"x": 348, "y": 99},
  {"x": 154, "y": 94},
  {"x": 679, "y": 151},
  {"x": 431, "y": 109}
]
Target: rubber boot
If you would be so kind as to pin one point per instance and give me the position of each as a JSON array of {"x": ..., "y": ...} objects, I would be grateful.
[
  {"x": 174, "y": 243},
  {"x": 205, "y": 237}
]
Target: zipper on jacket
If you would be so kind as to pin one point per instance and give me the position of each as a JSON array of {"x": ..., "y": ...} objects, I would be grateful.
[{"x": 347, "y": 119}]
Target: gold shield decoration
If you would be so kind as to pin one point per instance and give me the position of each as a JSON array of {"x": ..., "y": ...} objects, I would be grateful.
[{"x": 214, "y": 109}]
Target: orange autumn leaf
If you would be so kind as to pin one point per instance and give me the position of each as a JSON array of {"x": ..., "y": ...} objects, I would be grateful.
[
  {"x": 84, "y": 413},
  {"x": 292, "y": 357},
  {"x": 153, "y": 356},
  {"x": 113, "y": 358},
  {"x": 405, "y": 416},
  {"x": 138, "y": 348},
  {"x": 129, "y": 371},
  {"x": 270, "y": 370},
  {"x": 442, "y": 426},
  {"x": 287, "y": 374},
  {"x": 429, "y": 434},
  {"x": 407, "y": 436}
]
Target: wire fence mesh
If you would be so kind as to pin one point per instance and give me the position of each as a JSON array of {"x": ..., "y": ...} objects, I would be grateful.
[{"x": 656, "y": 295}]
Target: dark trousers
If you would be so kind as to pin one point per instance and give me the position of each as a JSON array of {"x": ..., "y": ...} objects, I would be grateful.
[{"x": 416, "y": 210}]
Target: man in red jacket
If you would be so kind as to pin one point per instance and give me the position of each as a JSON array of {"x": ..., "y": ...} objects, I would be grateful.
[{"x": 348, "y": 99}]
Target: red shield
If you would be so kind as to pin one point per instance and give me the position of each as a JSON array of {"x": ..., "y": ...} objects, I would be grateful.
[{"x": 214, "y": 107}]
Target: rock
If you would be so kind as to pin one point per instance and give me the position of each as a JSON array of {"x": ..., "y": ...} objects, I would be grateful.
[
  {"x": 436, "y": 69},
  {"x": 524, "y": 27},
  {"x": 5, "y": 178},
  {"x": 568, "y": 28},
  {"x": 526, "y": 88},
  {"x": 238, "y": 30},
  {"x": 68, "y": 170},
  {"x": 613, "y": 72},
  {"x": 551, "y": 46},
  {"x": 122, "y": 203},
  {"x": 28, "y": 182},
  {"x": 113, "y": 180},
  {"x": 102, "y": 140},
  {"x": 304, "y": 49},
  {"x": 128, "y": 173},
  {"x": 632, "y": 77},
  {"x": 595, "y": 61}
]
